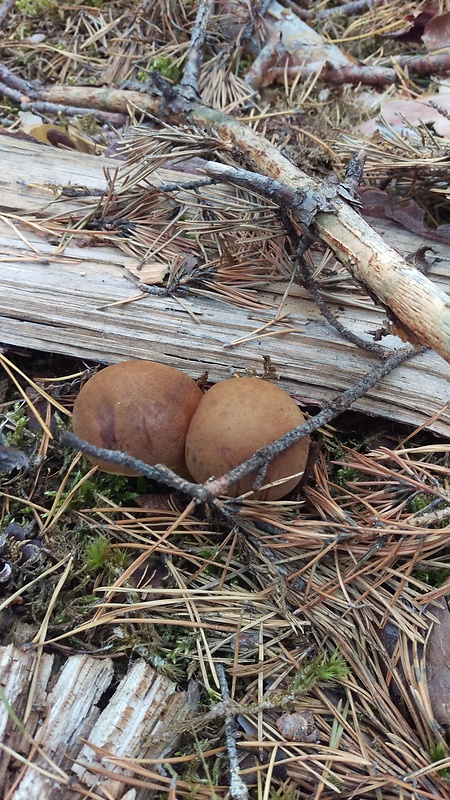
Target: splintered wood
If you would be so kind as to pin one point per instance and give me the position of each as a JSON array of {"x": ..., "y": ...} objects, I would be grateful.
[
  {"x": 82, "y": 302},
  {"x": 67, "y": 742}
]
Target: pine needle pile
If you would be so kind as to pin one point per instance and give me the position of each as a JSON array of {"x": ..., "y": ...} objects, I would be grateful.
[{"x": 320, "y": 610}]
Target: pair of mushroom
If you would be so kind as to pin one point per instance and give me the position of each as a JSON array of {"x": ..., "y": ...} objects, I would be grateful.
[{"x": 159, "y": 415}]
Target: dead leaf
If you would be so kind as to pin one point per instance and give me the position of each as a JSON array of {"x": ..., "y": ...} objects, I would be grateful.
[
  {"x": 302, "y": 43},
  {"x": 437, "y": 32},
  {"x": 298, "y": 727},
  {"x": 438, "y": 663},
  {"x": 64, "y": 137},
  {"x": 377, "y": 203},
  {"x": 399, "y": 112},
  {"x": 10, "y": 459}
]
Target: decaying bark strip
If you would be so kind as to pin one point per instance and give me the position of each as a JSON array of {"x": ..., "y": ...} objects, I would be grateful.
[{"x": 65, "y": 713}]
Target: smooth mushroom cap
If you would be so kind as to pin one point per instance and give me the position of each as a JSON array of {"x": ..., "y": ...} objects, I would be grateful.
[
  {"x": 141, "y": 408},
  {"x": 235, "y": 418}
]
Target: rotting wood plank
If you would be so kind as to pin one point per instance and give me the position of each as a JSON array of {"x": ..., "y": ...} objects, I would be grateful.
[
  {"x": 58, "y": 304},
  {"x": 138, "y": 721}
]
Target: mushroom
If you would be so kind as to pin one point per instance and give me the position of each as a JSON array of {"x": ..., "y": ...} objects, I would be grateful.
[
  {"x": 235, "y": 418},
  {"x": 141, "y": 408}
]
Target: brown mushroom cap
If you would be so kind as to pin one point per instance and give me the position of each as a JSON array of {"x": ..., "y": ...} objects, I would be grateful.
[
  {"x": 233, "y": 419},
  {"x": 140, "y": 407}
]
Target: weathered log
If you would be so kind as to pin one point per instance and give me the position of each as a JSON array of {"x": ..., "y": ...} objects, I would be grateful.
[{"x": 61, "y": 303}]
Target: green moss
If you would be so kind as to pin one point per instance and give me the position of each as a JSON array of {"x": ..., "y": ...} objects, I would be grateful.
[
  {"x": 283, "y": 793},
  {"x": 438, "y": 752},
  {"x": 119, "y": 488},
  {"x": 323, "y": 668},
  {"x": 346, "y": 475},
  {"x": 96, "y": 553},
  {"x": 36, "y": 8},
  {"x": 65, "y": 614},
  {"x": 419, "y": 502},
  {"x": 20, "y": 436},
  {"x": 434, "y": 578},
  {"x": 99, "y": 556},
  {"x": 168, "y": 69}
]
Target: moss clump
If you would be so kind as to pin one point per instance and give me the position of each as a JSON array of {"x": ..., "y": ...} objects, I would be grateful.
[
  {"x": 168, "y": 69},
  {"x": 119, "y": 488},
  {"x": 437, "y": 753},
  {"x": 100, "y": 556},
  {"x": 36, "y": 8},
  {"x": 323, "y": 668},
  {"x": 19, "y": 420}
]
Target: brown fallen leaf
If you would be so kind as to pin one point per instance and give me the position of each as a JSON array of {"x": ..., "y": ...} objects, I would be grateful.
[
  {"x": 377, "y": 203},
  {"x": 398, "y": 112},
  {"x": 437, "y": 32},
  {"x": 298, "y": 727},
  {"x": 438, "y": 663}
]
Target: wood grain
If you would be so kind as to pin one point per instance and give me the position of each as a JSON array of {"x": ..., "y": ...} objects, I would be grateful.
[{"x": 59, "y": 304}]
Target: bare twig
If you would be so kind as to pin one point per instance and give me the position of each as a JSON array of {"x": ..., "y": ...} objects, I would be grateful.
[
  {"x": 348, "y": 9},
  {"x": 356, "y": 73},
  {"x": 190, "y": 79},
  {"x": 265, "y": 59},
  {"x": 14, "y": 82},
  {"x": 326, "y": 312},
  {"x": 435, "y": 64},
  {"x": 14, "y": 94},
  {"x": 238, "y": 789},
  {"x": 102, "y": 98},
  {"x": 5, "y": 8},
  {"x": 301, "y": 246},
  {"x": 432, "y": 64},
  {"x": 74, "y": 111},
  {"x": 196, "y": 183},
  {"x": 160, "y": 473},
  {"x": 304, "y": 203}
]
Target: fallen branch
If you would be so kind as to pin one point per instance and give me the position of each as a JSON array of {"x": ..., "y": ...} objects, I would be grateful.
[
  {"x": 420, "y": 309},
  {"x": 264, "y": 61},
  {"x": 432, "y": 64},
  {"x": 348, "y": 9},
  {"x": 356, "y": 73},
  {"x": 360, "y": 73},
  {"x": 5, "y": 8},
  {"x": 99, "y": 101}
]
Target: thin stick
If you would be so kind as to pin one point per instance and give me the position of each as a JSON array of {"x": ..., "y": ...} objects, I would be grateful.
[
  {"x": 238, "y": 789},
  {"x": 5, "y": 8},
  {"x": 190, "y": 79},
  {"x": 301, "y": 246}
]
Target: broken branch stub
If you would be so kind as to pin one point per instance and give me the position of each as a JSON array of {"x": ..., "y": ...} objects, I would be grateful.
[{"x": 421, "y": 308}]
